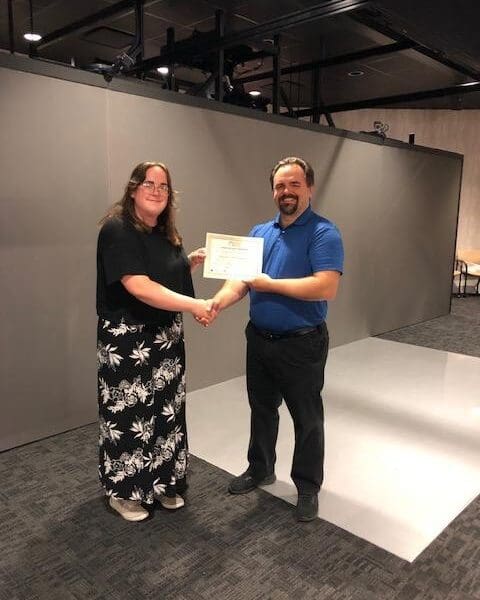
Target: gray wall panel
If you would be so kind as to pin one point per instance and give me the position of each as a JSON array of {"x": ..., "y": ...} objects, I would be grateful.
[
  {"x": 53, "y": 171},
  {"x": 397, "y": 211},
  {"x": 396, "y": 208}
]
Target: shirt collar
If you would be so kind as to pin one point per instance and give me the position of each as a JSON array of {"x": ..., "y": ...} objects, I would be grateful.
[{"x": 302, "y": 219}]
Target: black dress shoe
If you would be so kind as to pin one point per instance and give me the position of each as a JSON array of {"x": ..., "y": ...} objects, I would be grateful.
[
  {"x": 245, "y": 483},
  {"x": 307, "y": 507}
]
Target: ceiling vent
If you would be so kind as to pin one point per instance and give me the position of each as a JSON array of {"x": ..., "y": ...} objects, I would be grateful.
[{"x": 110, "y": 37}]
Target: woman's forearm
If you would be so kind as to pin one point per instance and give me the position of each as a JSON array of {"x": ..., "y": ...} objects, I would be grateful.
[{"x": 156, "y": 295}]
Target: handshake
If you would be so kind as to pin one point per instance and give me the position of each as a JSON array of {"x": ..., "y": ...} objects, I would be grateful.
[{"x": 205, "y": 311}]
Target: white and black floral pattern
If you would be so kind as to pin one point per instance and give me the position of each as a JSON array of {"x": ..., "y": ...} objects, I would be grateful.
[
  {"x": 121, "y": 328},
  {"x": 170, "y": 335},
  {"x": 107, "y": 355},
  {"x": 141, "y": 397}
]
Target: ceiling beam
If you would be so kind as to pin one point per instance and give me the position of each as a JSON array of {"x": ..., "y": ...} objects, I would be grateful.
[
  {"x": 125, "y": 7},
  {"x": 326, "y": 9},
  {"x": 333, "y": 61},
  {"x": 388, "y": 100},
  {"x": 376, "y": 20}
]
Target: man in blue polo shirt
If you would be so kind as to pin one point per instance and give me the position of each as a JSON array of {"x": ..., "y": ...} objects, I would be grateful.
[{"x": 287, "y": 338}]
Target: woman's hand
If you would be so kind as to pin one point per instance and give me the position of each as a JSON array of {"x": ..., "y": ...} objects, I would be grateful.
[
  {"x": 196, "y": 258},
  {"x": 205, "y": 311}
]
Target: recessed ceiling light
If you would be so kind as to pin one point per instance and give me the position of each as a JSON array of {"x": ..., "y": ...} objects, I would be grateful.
[
  {"x": 356, "y": 73},
  {"x": 163, "y": 70},
  {"x": 255, "y": 93},
  {"x": 32, "y": 37}
]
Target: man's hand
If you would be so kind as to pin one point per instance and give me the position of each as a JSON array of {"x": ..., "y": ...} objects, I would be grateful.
[
  {"x": 212, "y": 310},
  {"x": 230, "y": 293},
  {"x": 261, "y": 283}
]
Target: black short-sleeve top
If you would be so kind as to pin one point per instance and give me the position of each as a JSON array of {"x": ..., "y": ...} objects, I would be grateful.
[{"x": 123, "y": 250}]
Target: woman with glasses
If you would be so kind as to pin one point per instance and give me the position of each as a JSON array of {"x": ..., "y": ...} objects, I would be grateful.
[{"x": 143, "y": 286}]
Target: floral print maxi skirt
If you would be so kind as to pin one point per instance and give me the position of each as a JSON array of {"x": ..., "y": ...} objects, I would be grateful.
[{"x": 141, "y": 395}]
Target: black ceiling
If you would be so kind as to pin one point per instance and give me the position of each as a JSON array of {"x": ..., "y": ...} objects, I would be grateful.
[{"x": 426, "y": 45}]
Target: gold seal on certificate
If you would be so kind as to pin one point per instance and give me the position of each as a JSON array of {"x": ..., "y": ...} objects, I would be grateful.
[{"x": 232, "y": 256}]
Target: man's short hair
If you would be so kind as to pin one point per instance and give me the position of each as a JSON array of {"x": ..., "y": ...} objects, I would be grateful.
[{"x": 294, "y": 160}]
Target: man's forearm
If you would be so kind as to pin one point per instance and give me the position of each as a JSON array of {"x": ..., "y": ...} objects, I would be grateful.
[
  {"x": 320, "y": 286},
  {"x": 305, "y": 288},
  {"x": 231, "y": 293}
]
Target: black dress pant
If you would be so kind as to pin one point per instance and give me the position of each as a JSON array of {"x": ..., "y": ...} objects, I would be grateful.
[{"x": 291, "y": 368}]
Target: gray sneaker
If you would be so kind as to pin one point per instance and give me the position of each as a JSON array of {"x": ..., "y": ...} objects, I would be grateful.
[
  {"x": 130, "y": 510},
  {"x": 170, "y": 502}
]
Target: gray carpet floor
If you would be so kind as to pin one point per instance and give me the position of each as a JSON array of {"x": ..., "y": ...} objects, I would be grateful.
[
  {"x": 59, "y": 542},
  {"x": 457, "y": 332}
]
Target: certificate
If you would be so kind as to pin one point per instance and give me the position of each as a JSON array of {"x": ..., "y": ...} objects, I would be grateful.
[{"x": 232, "y": 256}]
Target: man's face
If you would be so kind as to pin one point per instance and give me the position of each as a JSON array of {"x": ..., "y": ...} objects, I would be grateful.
[{"x": 290, "y": 190}]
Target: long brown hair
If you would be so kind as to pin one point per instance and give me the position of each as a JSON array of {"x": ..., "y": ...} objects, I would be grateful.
[{"x": 125, "y": 208}]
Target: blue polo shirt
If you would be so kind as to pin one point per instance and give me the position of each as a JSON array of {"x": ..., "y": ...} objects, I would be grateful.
[{"x": 310, "y": 244}]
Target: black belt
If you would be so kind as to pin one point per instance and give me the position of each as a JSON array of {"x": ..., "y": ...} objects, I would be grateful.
[{"x": 271, "y": 335}]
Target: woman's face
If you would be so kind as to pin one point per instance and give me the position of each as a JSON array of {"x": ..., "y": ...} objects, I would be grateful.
[{"x": 151, "y": 197}]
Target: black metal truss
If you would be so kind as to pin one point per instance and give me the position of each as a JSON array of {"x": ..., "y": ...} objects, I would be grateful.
[
  {"x": 377, "y": 20},
  {"x": 216, "y": 42},
  {"x": 135, "y": 52},
  {"x": 276, "y": 76},
  {"x": 11, "y": 36},
  {"x": 290, "y": 112},
  {"x": 138, "y": 46},
  {"x": 388, "y": 100},
  {"x": 219, "y": 32},
  {"x": 172, "y": 80},
  {"x": 190, "y": 47},
  {"x": 370, "y": 19},
  {"x": 124, "y": 7},
  {"x": 333, "y": 61},
  {"x": 317, "y": 100}
]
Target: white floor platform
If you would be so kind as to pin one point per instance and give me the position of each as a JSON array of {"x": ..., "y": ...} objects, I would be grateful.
[{"x": 402, "y": 440}]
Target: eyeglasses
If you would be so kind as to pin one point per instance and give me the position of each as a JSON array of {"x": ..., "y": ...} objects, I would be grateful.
[{"x": 151, "y": 187}]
